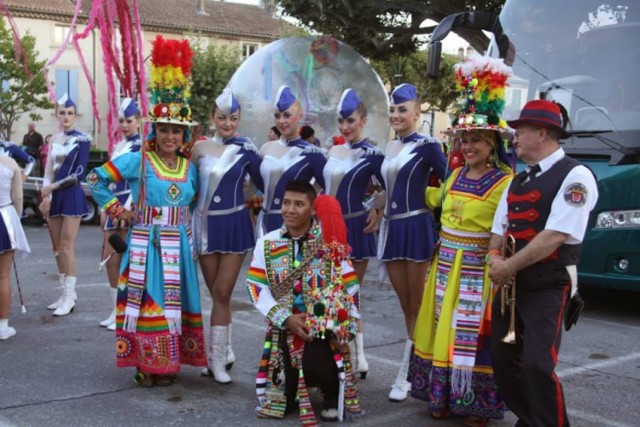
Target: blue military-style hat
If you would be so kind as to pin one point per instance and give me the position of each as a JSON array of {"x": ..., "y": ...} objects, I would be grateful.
[
  {"x": 128, "y": 108},
  {"x": 403, "y": 93},
  {"x": 349, "y": 102},
  {"x": 226, "y": 102},
  {"x": 284, "y": 99},
  {"x": 66, "y": 101}
]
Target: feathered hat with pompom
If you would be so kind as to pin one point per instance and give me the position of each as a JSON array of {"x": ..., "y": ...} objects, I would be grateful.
[
  {"x": 482, "y": 81},
  {"x": 170, "y": 82}
]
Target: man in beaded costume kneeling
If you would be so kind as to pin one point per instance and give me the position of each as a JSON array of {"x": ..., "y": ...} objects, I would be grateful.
[{"x": 301, "y": 279}]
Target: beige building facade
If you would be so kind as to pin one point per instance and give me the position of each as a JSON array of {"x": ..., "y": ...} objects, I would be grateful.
[{"x": 225, "y": 23}]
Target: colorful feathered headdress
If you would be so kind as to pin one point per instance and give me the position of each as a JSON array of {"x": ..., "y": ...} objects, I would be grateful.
[
  {"x": 170, "y": 82},
  {"x": 481, "y": 81}
]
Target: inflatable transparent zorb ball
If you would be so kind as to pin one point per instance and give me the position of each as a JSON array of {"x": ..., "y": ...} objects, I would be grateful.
[{"x": 318, "y": 70}]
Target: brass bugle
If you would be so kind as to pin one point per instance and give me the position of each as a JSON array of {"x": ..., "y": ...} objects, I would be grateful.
[{"x": 508, "y": 292}]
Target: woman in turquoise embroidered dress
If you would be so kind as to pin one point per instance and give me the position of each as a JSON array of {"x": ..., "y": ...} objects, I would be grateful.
[
  {"x": 451, "y": 366},
  {"x": 158, "y": 316}
]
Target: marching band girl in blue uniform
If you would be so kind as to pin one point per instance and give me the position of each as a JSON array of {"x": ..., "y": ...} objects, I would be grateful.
[
  {"x": 63, "y": 199},
  {"x": 222, "y": 224},
  {"x": 407, "y": 234},
  {"x": 10, "y": 149},
  {"x": 286, "y": 159},
  {"x": 129, "y": 119},
  {"x": 350, "y": 170}
]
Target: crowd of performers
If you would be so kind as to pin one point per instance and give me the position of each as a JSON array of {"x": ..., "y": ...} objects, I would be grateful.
[{"x": 165, "y": 208}]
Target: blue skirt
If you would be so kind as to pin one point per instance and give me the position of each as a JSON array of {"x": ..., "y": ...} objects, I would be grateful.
[
  {"x": 232, "y": 233},
  {"x": 5, "y": 240},
  {"x": 272, "y": 222},
  {"x": 69, "y": 201},
  {"x": 363, "y": 246},
  {"x": 410, "y": 238}
]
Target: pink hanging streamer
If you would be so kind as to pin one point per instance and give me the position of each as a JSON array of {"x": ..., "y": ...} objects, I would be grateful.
[
  {"x": 20, "y": 56},
  {"x": 127, "y": 63}
]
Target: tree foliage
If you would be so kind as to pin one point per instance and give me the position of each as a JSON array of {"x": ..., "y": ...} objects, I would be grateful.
[
  {"x": 212, "y": 69},
  {"x": 439, "y": 94},
  {"x": 23, "y": 90},
  {"x": 379, "y": 29}
]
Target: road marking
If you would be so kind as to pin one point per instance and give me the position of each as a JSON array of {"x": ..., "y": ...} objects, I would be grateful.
[
  {"x": 568, "y": 372},
  {"x": 92, "y": 285}
]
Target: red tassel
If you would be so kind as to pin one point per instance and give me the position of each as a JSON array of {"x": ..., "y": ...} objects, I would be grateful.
[{"x": 334, "y": 229}]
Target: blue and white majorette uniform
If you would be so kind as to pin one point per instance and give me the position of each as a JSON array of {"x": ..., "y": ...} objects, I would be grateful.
[
  {"x": 408, "y": 229},
  {"x": 347, "y": 179},
  {"x": 221, "y": 221},
  {"x": 67, "y": 165},
  {"x": 283, "y": 161},
  {"x": 130, "y": 144},
  {"x": 10, "y": 149},
  {"x": 12, "y": 235}
]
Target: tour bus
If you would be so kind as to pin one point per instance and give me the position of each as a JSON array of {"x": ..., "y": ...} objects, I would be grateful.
[{"x": 585, "y": 55}]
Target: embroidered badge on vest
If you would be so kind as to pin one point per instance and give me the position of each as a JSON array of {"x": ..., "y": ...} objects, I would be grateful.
[{"x": 575, "y": 194}]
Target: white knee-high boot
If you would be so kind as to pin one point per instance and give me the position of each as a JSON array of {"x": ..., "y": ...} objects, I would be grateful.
[
  {"x": 61, "y": 277},
  {"x": 231, "y": 357},
  {"x": 217, "y": 358},
  {"x": 111, "y": 320},
  {"x": 401, "y": 387},
  {"x": 358, "y": 361},
  {"x": 69, "y": 297}
]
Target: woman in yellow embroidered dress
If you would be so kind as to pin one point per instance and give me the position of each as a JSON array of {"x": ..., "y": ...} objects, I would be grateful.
[
  {"x": 158, "y": 316},
  {"x": 451, "y": 365}
]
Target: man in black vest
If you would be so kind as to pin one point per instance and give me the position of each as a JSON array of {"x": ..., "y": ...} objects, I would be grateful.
[{"x": 546, "y": 210}]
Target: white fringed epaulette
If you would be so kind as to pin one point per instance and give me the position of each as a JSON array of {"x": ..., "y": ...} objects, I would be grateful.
[
  {"x": 373, "y": 151},
  {"x": 313, "y": 149},
  {"x": 427, "y": 140},
  {"x": 81, "y": 137},
  {"x": 248, "y": 145}
]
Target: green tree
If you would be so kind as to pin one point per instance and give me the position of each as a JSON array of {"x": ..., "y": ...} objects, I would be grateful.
[
  {"x": 379, "y": 29},
  {"x": 439, "y": 94},
  {"x": 212, "y": 68},
  {"x": 22, "y": 91}
]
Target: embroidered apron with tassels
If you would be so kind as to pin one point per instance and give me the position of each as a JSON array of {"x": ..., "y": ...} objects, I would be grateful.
[
  {"x": 467, "y": 316},
  {"x": 158, "y": 231}
]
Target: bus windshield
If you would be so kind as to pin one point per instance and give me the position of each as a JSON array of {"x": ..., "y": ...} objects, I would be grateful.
[{"x": 584, "y": 54}]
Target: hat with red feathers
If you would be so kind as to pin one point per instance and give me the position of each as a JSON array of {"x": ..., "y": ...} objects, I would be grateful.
[{"x": 170, "y": 82}]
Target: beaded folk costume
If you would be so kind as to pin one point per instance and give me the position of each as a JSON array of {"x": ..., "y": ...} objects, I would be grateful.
[
  {"x": 451, "y": 366},
  {"x": 319, "y": 280},
  {"x": 158, "y": 320}
]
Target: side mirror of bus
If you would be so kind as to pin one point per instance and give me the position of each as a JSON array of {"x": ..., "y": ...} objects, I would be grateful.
[{"x": 433, "y": 66}]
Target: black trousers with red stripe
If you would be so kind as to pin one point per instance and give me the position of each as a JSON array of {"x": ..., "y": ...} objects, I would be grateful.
[{"x": 525, "y": 371}]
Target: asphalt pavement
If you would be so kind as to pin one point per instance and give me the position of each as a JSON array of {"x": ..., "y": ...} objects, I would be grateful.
[{"x": 61, "y": 371}]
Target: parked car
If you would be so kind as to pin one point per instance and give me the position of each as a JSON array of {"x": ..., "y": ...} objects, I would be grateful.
[{"x": 31, "y": 196}]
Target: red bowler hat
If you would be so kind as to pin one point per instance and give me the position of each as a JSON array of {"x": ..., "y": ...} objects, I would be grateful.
[{"x": 541, "y": 113}]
